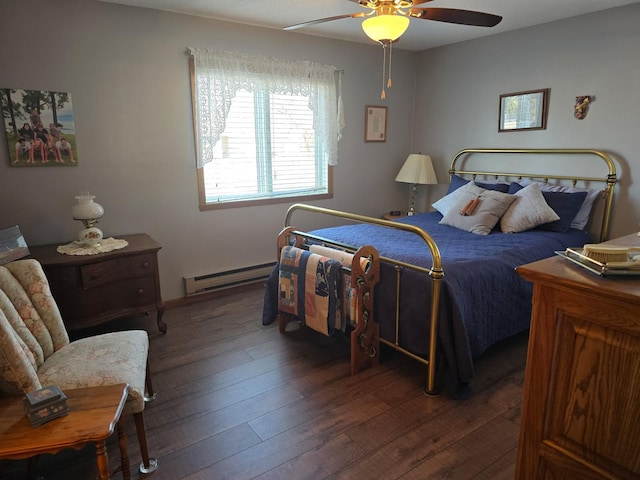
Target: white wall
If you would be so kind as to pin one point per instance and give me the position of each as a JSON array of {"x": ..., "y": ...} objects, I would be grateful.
[
  {"x": 595, "y": 54},
  {"x": 127, "y": 74}
]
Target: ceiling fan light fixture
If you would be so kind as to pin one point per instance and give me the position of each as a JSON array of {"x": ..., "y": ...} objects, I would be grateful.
[{"x": 385, "y": 27}]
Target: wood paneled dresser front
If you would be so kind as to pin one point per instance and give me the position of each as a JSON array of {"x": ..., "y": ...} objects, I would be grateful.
[
  {"x": 93, "y": 289},
  {"x": 581, "y": 405}
]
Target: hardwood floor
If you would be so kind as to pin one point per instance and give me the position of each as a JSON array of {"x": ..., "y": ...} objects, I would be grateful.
[{"x": 237, "y": 400}]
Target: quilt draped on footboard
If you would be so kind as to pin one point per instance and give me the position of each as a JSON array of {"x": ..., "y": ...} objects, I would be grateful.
[{"x": 308, "y": 288}]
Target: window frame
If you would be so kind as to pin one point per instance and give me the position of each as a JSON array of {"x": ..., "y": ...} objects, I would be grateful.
[{"x": 202, "y": 201}]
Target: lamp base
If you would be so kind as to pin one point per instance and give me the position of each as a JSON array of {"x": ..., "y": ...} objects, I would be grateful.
[
  {"x": 412, "y": 207},
  {"x": 90, "y": 236}
]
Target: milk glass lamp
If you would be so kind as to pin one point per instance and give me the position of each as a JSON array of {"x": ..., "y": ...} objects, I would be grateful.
[
  {"x": 88, "y": 212},
  {"x": 417, "y": 170}
]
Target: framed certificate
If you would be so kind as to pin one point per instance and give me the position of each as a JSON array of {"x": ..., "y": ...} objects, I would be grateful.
[{"x": 375, "y": 124}]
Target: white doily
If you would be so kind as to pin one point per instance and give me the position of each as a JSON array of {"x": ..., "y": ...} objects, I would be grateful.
[{"x": 105, "y": 245}]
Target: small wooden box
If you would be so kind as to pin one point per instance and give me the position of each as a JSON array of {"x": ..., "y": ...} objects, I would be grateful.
[{"x": 45, "y": 404}]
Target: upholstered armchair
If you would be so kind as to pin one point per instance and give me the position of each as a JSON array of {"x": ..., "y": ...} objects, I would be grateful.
[{"x": 35, "y": 350}]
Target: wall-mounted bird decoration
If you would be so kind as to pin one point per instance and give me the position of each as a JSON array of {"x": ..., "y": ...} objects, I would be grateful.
[{"x": 581, "y": 106}]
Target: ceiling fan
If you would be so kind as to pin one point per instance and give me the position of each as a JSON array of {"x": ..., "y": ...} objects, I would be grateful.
[
  {"x": 404, "y": 9},
  {"x": 386, "y": 20}
]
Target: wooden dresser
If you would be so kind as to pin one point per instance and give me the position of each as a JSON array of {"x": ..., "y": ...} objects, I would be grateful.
[
  {"x": 93, "y": 289},
  {"x": 581, "y": 405}
]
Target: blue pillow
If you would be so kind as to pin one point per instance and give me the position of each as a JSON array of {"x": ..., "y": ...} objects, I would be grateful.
[
  {"x": 514, "y": 187},
  {"x": 457, "y": 182},
  {"x": 566, "y": 205}
]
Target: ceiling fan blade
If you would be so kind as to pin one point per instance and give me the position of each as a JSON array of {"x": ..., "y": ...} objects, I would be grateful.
[
  {"x": 419, "y": 3},
  {"x": 453, "y": 15},
  {"x": 328, "y": 19},
  {"x": 375, "y": 3}
]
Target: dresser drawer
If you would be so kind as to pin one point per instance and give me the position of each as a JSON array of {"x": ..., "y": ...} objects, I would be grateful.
[
  {"x": 118, "y": 269},
  {"x": 108, "y": 300}
]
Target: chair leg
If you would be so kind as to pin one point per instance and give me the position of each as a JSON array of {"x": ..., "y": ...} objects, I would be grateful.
[
  {"x": 148, "y": 465},
  {"x": 149, "y": 395}
]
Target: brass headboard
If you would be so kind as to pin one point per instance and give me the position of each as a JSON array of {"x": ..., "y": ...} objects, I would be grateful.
[{"x": 609, "y": 180}]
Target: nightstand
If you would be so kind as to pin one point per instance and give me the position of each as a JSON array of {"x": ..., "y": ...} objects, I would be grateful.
[
  {"x": 94, "y": 289},
  {"x": 388, "y": 216}
]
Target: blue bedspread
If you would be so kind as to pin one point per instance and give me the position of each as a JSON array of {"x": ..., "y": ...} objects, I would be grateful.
[{"x": 483, "y": 299}]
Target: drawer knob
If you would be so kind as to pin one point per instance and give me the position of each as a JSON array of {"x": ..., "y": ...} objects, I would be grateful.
[
  {"x": 145, "y": 264},
  {"x": 140, "y": 291}
]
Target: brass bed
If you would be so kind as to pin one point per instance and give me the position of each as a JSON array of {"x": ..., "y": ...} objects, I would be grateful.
[{"x": 435, "y": 329}]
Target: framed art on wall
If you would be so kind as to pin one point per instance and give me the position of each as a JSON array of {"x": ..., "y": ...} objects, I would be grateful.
[
  {"x": 39, "y": 127},
  {"x": 375, "y": 124},
  {"x": 523, "y": 111}
]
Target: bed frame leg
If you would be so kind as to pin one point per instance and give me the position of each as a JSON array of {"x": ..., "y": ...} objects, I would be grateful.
[{"x": 432, "y": 393}]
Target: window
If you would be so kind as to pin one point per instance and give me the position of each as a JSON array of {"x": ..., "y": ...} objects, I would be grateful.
[{"x": 266, "y": 130}]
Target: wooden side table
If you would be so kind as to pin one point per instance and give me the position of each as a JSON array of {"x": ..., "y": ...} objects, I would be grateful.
[
  {"x": 93, "y": 414},
  {"x": 93, "y": 289}
]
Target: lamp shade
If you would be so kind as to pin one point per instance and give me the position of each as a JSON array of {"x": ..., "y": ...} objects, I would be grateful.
[
  {"x": 85, "y": 208},
  {"x": 417, "y": 168},
  {"x": 385, "y": 27}
]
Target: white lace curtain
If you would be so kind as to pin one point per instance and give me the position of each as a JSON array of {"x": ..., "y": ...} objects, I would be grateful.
[{"x": 219, "y": 75}]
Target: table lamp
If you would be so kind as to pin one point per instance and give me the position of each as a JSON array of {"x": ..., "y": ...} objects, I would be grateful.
[
  {"x": 88, "y": 212},
  {"x": 417, "y": 169}
]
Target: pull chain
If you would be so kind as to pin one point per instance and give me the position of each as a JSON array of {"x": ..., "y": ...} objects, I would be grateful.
[
  {"x": 385, "y": 44},
  {"x": 383, "y": 95},
  {"x": 390, "y": 53}
]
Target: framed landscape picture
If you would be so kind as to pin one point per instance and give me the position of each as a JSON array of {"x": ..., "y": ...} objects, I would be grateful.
[
  {"x": 523, "y": 111},
  {"x": 39, "y": 127}
]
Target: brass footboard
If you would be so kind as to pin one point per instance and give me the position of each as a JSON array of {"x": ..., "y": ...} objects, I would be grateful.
[{"x": 435, "y": 272}]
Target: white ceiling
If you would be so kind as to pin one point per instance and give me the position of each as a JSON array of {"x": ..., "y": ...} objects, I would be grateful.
[{"x": 421, "y": 35}]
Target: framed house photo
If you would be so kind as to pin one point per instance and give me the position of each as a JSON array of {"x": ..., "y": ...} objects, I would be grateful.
[
  {"x": 375, "y": 124},
  {"x": 39, "y": 127},
  {"x": 523, "y": 111}
]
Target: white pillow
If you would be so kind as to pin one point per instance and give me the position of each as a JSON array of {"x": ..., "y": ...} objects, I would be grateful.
[
  {"x": 486, "y": 214},
  {"x": 527, "y": 211},
  {"x": 582, "y": 217},
  {"x": 445, "y": 203}
]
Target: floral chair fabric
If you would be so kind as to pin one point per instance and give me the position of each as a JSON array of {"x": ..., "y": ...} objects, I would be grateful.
[
  {"x": 35, "y": 347},
  {"x": 26, "y": 310},
  {"x": 35, "y": 350}
]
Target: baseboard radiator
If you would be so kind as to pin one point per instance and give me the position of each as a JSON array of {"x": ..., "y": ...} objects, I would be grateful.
[{"x": 231, "y": 278}]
